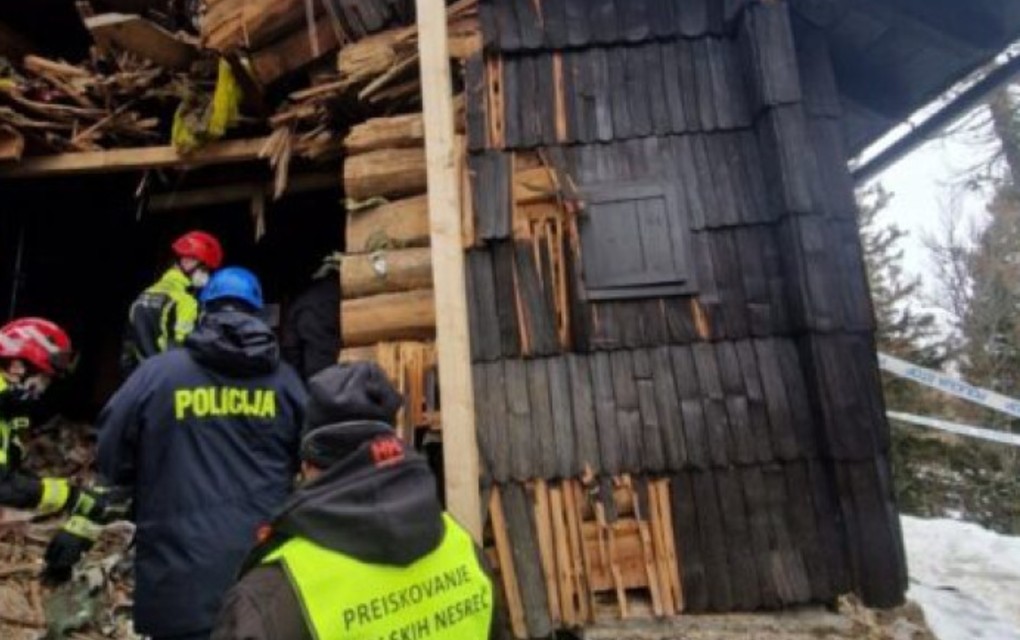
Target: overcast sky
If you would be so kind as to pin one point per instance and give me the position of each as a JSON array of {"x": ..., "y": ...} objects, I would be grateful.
[{"x": 926, "y": 183}]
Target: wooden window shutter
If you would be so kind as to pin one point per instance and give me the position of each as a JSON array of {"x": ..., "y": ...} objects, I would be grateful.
[{"x": 634, "y": 242}]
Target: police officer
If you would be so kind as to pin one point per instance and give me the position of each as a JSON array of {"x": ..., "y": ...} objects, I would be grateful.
[
  {"x": 207, "y": 436},
  {"x": 164, "y": 314},
  {"x": 363, "y": 548}
]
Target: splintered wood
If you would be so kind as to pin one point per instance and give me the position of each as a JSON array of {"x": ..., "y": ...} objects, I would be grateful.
[
  {"x": 411, "y": 367},
  {"x": 601, "y": 547}
]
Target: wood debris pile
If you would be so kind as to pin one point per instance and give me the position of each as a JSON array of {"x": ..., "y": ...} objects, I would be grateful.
[
  {"x": 96, "y": 604},
  {"x": 375, "y": 76},
  {"x": 48, "y": 106}
]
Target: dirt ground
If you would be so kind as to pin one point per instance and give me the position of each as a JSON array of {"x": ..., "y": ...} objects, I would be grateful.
[{"x": 851, "y": 621}]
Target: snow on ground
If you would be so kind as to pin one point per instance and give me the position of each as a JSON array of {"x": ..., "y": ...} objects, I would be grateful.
[{"x": 966, "y": 578}]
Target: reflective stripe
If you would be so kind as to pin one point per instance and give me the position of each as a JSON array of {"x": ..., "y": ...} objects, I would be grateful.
[
  {"x": 55, "y": 492},
  {"x": 5, "y": 442},
  {"x": 442, "y": 596},
  {"x": 82, "y": 527}
]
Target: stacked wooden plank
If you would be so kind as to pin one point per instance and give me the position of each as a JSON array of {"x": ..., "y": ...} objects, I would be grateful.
[{"x": 562, "y": 547}]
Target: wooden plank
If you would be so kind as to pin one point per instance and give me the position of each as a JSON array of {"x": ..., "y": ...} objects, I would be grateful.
[
  {"x": 744, "y": 575},
  {"x": 583, "y": 405},
  {"x": 135, "y": 159},
  {"x": 296, "y": 51},
  {"x": 124, "y": 32},
  {"x": 567, "y": 586},
  {"x": 667, "y": 400},
  {"x": 499, "y": 413},
  {"x": 757, "y": 408},
  {"x": 485, "y": 338},
  {"x": 573, "y": 500},
  {"x": 504, "y": 550},
  {"x": 491, "y": 177},
  {"x": 695, "y": 430},
  {"x": 777, "y": 401},
  {"x": 543, "y": 439},
  {"x": 562, "y": 419},
  {"x": 538, "y": 315},
  {"x": 486, "y": 422},
  {"x": 732, "y": 378},
  {"x": 720, "y": 441},
  {"x": 408, "y": 315},
  {"x": 628, "y": 413},
  {"x": 506, "y": 298},
  {"x": 452, "y": 340},
  {"x": 688, "y": 544},
  {"x": 756, "y": 500},
  {"x": 788, "y": 564},
  {"x": 547, "y": 548},
  {"x": 801, "y": 517},
  {"x": 527, "y": 560},
  {"x": 606, "y": 415},
  {"x": 477, "y": 125},
  {"x": 522, "y": 462},
  {"x": 713, "y": 542}
]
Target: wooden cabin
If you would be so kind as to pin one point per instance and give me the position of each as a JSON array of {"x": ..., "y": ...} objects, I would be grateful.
[{"x": 624, "y": 260}]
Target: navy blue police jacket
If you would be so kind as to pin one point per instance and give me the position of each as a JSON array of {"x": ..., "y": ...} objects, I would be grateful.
[{"x": 208, "y": 437}]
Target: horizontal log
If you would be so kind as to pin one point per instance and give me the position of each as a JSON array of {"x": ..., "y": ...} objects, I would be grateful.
[
  {"x": 409, "y": 315},
  {"x": 382, "y": 133},
  {"x": 386, "y": 173},
  {"x": 404, "y": 223},
  {"x": 370, "y": 274}
]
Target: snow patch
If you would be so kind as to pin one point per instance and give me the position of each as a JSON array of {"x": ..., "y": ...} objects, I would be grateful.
[{"x": 966, "y": 578}]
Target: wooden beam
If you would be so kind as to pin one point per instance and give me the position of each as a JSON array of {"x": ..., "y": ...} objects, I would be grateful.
[
  {"x": 134, "y": 159},
  {"x": 460, "y": 444},
  {"x": 239, "y": 192}
]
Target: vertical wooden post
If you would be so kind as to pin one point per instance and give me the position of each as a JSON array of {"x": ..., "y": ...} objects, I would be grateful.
[{"x": 460, "y": 445}]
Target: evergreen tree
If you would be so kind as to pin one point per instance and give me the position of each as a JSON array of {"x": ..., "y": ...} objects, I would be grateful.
[{"x": 902, "y": 329}]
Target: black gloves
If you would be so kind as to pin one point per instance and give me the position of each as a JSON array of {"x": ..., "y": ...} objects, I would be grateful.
[
  {"x": 90, "y": 509},
  {"x": 101, "y": 505},
  {"x": 72, "y": 541}
]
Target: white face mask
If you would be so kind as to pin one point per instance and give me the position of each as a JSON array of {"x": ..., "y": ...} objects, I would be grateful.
[
  {"x": 199, "y": 278},
  {"x": 37, "y": 385}
]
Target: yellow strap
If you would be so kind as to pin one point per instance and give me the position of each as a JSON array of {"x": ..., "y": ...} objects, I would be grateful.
[
  {"x": 55, "y": 492},
  {"x": 82, "y": 527}
]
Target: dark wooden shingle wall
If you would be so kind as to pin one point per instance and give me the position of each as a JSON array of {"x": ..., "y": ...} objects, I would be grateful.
[{"x": 758, "y": 395}]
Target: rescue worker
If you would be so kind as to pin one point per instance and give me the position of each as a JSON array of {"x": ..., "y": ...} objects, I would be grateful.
[
  {"x": 34, "y": 351},
  {"x": 164, "y": 314},
  {"x": 311, "y": 332},
  {"x": 207, "y": 437},
  {"x": 363, "y": 548}
]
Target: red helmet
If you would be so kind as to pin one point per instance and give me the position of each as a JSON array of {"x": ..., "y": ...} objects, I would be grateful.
[
  {"x": 39, "y": 342},
  {"x": 201, "y": 246}
]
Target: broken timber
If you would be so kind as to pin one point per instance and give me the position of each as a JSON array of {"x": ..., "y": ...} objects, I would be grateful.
[{"x": 137, "y": 159}]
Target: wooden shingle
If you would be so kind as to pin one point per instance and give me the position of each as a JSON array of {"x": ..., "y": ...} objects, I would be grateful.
[
  {"x": 560, "y": 394},
  {"x": 605, "y": 414},
  {"x": 583, "y": 405},
  {"x": 543, "y": 438},
  {"x": 688, "y": 543},
  {"x": 522, "y": 463},
  {"x": 695, "y": 429},
  {"x": 628, "y": 412}
]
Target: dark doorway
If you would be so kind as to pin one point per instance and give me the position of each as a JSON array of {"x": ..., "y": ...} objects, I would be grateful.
[{"x": 78, "y": 249}]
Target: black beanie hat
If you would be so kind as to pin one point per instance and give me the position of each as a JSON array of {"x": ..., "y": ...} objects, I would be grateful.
[{"x": 359, "y": 391}]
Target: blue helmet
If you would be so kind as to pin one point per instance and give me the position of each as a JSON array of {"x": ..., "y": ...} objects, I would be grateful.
[{"x": 236, "y": 283}]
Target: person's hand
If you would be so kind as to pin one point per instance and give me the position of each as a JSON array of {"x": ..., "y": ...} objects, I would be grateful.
[{"x": 66, "y": 549}]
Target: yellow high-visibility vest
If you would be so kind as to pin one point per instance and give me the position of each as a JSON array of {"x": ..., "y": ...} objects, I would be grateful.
[{"x": 443, "y": 596}]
